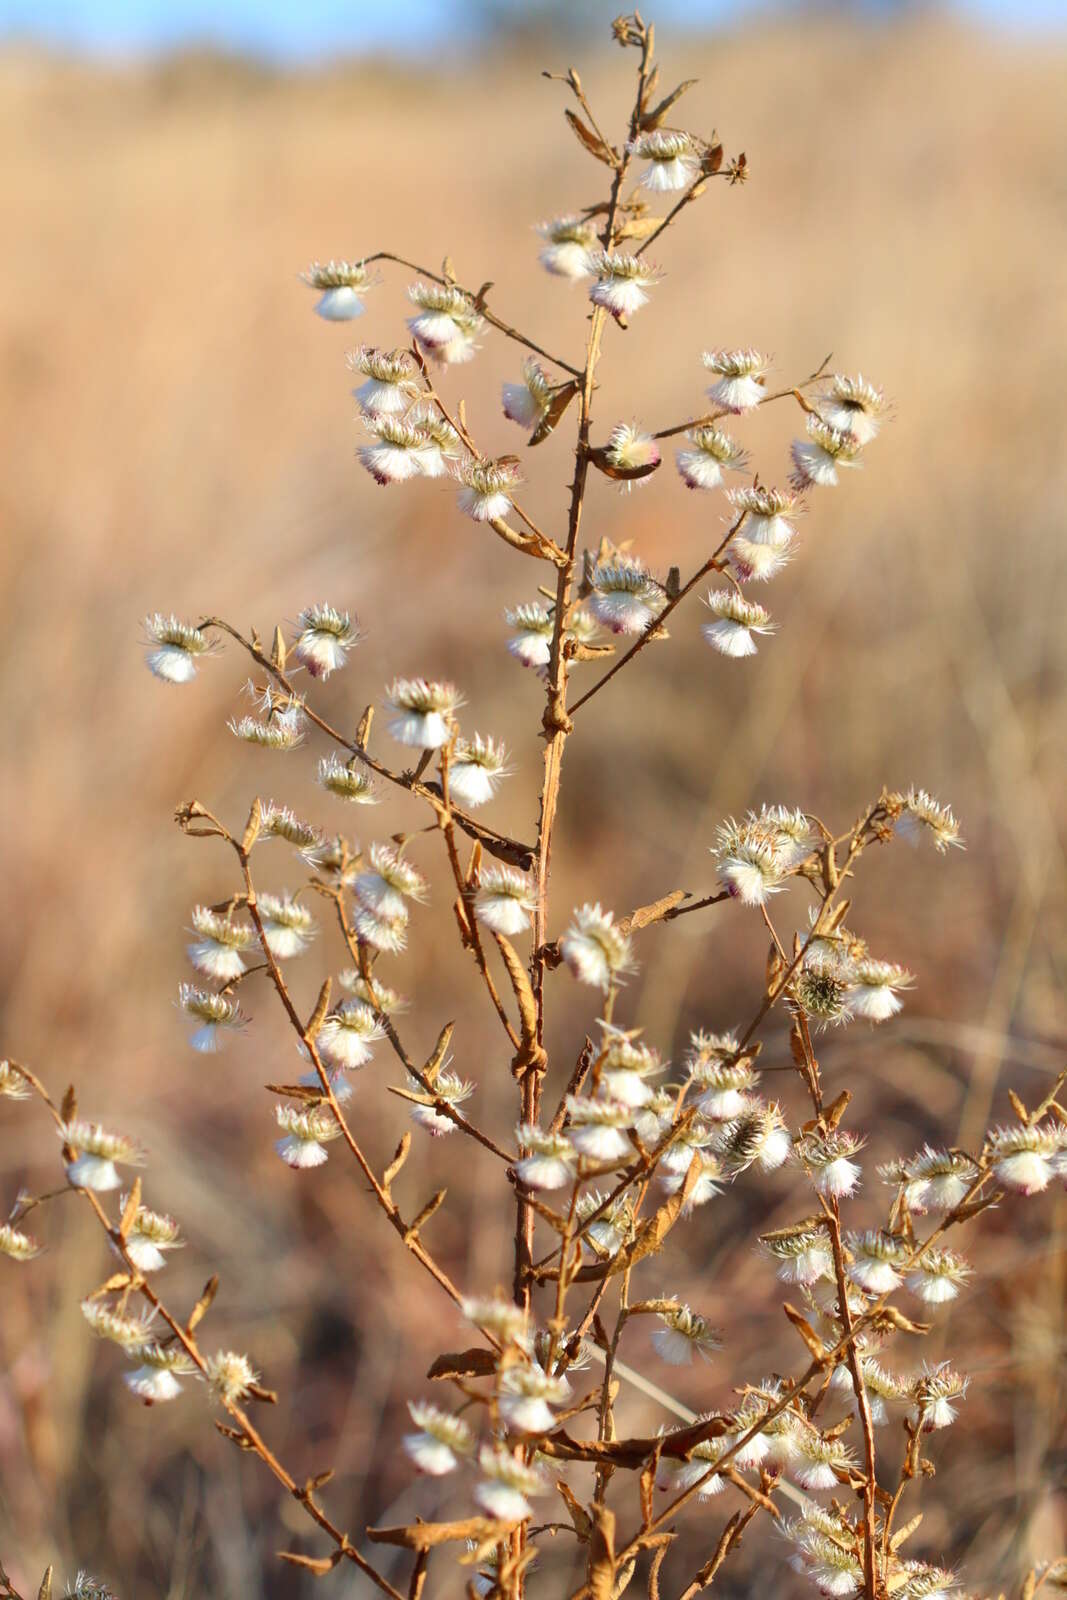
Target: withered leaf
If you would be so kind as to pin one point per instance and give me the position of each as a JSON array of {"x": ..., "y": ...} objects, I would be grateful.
[
  {"x": 475, "y": 1363},
  {"x": 425, "y": 1535},
  {"x": 561, "y": 399},
  {"x": 592, "y": 141},
  {"x": 196, "y": 1315}
]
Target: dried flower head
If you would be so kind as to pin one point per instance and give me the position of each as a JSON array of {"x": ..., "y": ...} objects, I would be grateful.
[
  {"x": 15, "y": 1244},
  {"x": 597, "y": 1128},
  {"x": 132, "y": 1333},
  {"x": 288, "y": 927},
  {"x": 876, "y": 1260},
  {"x": 174, "y": 647},
  {"x": 935, "y": 1181},
  {"x": 735, "y": 622},
  {"x": 550, "y": 1161},
  {"x": 487, "y": 487},
  {"x": 804, "y": 1255},
  {"x": 569, "y": 244},
  {"x": 341, "y": 284},
  {"x": 279, "y": 822},
  {"x": 420, "y": 711},
  {"x": 426, "y": 1109},
  {"x": 709, "y": 454},
  {"x": 282, "y": 732},
  {"x": 1025, "y": 1158},
  {"x": 527, "y": 402},
  {"x": 680, "y": 1333},
  {"x": 391, "y": 379},
  {"x": 527, "y": 1396},
  {"x": 378, "y": 995},
  {"x": 306, "y": 1135},
  {"x": 673, "y": 159},
  {"x": 595, "y": 949},
  {"x": 625, "y": 597},
  {"x": 872, "y": 989},
  {"x": 938, "y": 1275},
  {"x": 217, "y": 949},
  {"x": 13, "y": 1086},
  {"x": 607, "y": 1224},
  {"x": 934, "y": 1394},
  {"x": 740, "y": 375},
  {"x": 852, "y": 405},
  {"x": 622, "y": 282},
  {"x": 324, "y": 640},
  {"x": 155, "y": 1378},
  {"x": 347, "y": 1035},
  {"x": 151, "y": 1235},
  {"x": 505, "y": 899},
  {"x": 821, "y": 990},
  {"x": 447, "y": 323},
  {"x": 828, "y": 1160},
  {"x": 386, "y": 932},
  {"x": 817, "y": 458},
  {"x": 757, "y": 1137},
  {"x": 476, "y": 768},
  {"x": 632, "y": 454},
  {"x": 441, "y": 1441},
  {"x": 625, "y": 1068},
  {"x": 532, "y": 641},
  {"x": 98, "y": 1154},
  {"x": 916, "y": 810},
  {"x": 230, "y": 1376},
  {"x": 506, "y": 1484}
]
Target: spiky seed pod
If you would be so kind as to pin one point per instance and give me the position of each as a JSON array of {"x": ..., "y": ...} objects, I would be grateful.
[
  {"x": 817, "y": 458},
  {"x": 342, "y": 283},
  {"x": 288, "y": 927},
  {"x": 420, "y": 711},
  {"x": 735, "y": 621},
  {"x": 151, "y": 1235},
  {"x": 594, "y": 948},
  {"x": 681, "y": 1332},
  {"x": 98, "y": 1154},
  {"x": 852, "y": 405},
  {"x": 758, "y": 1137},
  {"x": 173, "y": 648},
  {"x": 739, "y": 374},
  {"x": 449, "y": 1087},
  {"x": 325, "y": 638},
  {"x": 622, "y": 282},
  {"x": 505, "y": 899},
  {"x": 709, "y": 454},
  {"x": 86, "y": 1587},
  {"x": 551, "y": 1160},
  {"x": 673, "y": 159},
  {"x": 441, "y": 1441},
  {"x": 348, "y": 781},
  {"x": 391, "y": 379},
  {"x": 569, "y": 244},
  {"x": 821, "y": 991},
  {"x": 625, "y": 598}
]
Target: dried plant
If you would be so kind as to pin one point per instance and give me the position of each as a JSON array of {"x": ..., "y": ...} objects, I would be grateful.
[{"x": 607, "y": 1156}]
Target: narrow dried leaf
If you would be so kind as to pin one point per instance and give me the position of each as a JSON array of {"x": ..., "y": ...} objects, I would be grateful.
[
  {"x": 322, "y": 1005},
  {"x": 425, "y": 1535},
  {"x": 295, "y": 1091},
  {"x": 236, "y": 1436},
  {"x": 400, "y": 1155},
  {"x": 433, "y": 1204},
  {"x": 475, "y": 1363},
  {"x": 1018, "y": 1107},
  {"x": 592, "y": 141},
  {"x": 363, "y": 731},
  {"x": 69, "y": 1109},
  {"x": 602, "y": 1554},
  {"x": 816, "y": 1348},
  {"x": 561, "y": 399},
  {"x": 319, "y": 1565},
  {"x": 600, "y": 459},
  {"x": 252, "y": 826},
  {"x": 903, "y": 1534},
  {"x": 117, "y": 1280},
  {"x": 277, "y": 649},
  {"x": 129, "y": 1210},
  {"x": 833, "y": 1113},
  {"x": 645, "y": 916},
  {"x": 45, "y": 1591},
  {"x": 319, "y": 1481},
  {"x": 652, "y": 119},
  {"x": 438, "y": 1053},
  {"x": 196, "y": 1315},
  {"x": 583, "y": 1526}
]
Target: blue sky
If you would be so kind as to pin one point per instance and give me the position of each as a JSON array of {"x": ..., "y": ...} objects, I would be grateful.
[{"x": 303, "y": 29}]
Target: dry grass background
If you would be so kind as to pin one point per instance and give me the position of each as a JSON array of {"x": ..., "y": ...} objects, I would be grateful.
[{"x": 179, "y": 434}]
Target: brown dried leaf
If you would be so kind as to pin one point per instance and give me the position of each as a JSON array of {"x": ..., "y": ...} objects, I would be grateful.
[
  {"x": 400, "y": 1155},
  {"x": 319, "y": 1565},
  {"x": 277, "y": 649},
  {"x": 816, "y": 1348},
  {"x": 475, "y": 1363},
  {"x": 583, "y": 1525},
  {"x": 252, "y": 826},
  {"x": 117, "y": 1280},
  {"x": 644, "y": 916},
  {"x": 833, "y": 1113},
  {"x": 602, "y": 1555},
  {"x": 905, "y": 1533},
  {"x": 45, "y": 1591},
  {"x": 561, "y": 399},
  {"x": 438, "y": 1053},
  {"x": 69, "y": 1109},
  {"x": 592, "y": 141},
  {"x": 363, "y": 731},
  {"x": 599, "y": 458},
  {"x": 196, "y": 1315},
  {"x": 433, "y": 1204},
  {"x": 296, "y": 1091},
  {"x": 322, "y": 1005},
  {"x": 652, "y": 119},
  {"x": 425, "y": 1535},
  {"x": 129, "y": 1210}
]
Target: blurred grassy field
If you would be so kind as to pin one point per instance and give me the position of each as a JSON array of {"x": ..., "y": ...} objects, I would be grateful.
[{"x": 179, "y": 435}]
